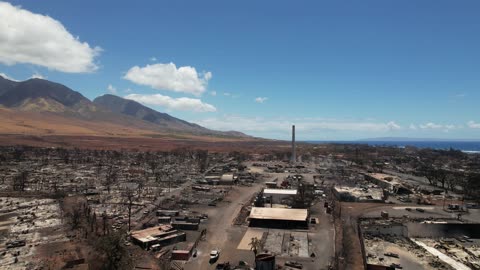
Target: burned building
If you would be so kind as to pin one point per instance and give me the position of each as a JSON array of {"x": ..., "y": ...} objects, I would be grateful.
[
  {"x": 281, "y": 218},
  {"x": 392, "y": 184},
  {"x": 163, "y": 235},
  {"x": 359, "y": 194},
  {"x": 277, "y": 196}
]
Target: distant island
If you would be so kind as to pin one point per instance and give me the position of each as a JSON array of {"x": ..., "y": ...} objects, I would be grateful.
[{"x": 407, "y": 139}]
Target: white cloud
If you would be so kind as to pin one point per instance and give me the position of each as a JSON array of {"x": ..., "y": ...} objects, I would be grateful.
[
  {"x": 473, "y": 124},
  {"x": 393, "y": 126},
  {"x": 431, "y": 126},
  {"x": 153, "y": 59},
  {"x": 413, "y": 127},
  {"x": 111, "y": 89},
  {"x": 232, "y": 95},
  {"x": 37, "y": 75},
  {"x": 5, "y": 76},
  {"x": 26, "y": 37},
  {"x": 179, "y": 104},
  {"x": 169, "y": 77},
  {"x": 445, "y": 128},
  {"x": 260, "y": 99},
  {"x": 310, "y": 125},
  {"x": 450, "y": 127},
  {"x": 213, "y": 93}
]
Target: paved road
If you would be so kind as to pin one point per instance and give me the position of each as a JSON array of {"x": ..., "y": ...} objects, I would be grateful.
[{"x": 221, "y": 233}]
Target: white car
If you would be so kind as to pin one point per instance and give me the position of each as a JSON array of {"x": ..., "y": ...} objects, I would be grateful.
[{"x": 214, "y": 254}]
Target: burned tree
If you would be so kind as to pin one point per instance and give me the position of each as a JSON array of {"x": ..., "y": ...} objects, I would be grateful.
[
  {"x": 255, "y": 245},
  {"x": 105, "y": 223},
  {"x": 429, "y": 172},
  {"x": 2, "y": 178},
  {"x": 65, "y": 155},
  {"x": 152, "y": 162},
  {"x": 471, "y": 186},
  {"x": 129, "y": 199},
  {"x": 18, "y": 154},
  {"x": 75, "y": 217},
  {"x": 441, "y": 176},
  {"x": 164, "y": 175},
  {"x": 93, "y": 223},
  {"x": 98, "y": 169},
  {"x": 202, "y": 160},
  {"x": 20, "y": 180},
  {"x": 110, "y": 177},
  {"x": 113, "y": 253},
  {"x": 452, "y": 180},
  {"x": 140, "y": 186},
  {"x": 239, "y": 156},
  {"x": 304, "y": 197}
]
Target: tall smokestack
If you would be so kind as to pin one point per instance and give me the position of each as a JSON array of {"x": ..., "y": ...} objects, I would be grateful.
[{"x": 294, "y": 154}]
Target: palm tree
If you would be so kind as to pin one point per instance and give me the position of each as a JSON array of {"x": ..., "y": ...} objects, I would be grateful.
[{"x": 255, "y": 245}]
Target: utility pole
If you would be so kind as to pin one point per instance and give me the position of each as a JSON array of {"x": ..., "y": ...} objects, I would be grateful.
[{"x": 294, "y": 154}]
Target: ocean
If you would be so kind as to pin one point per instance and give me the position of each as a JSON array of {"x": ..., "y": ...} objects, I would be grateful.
[{"x": 464, "y": 146}]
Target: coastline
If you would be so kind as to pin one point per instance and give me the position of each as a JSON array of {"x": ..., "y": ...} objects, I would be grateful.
[{"x": 469, "y": 147}]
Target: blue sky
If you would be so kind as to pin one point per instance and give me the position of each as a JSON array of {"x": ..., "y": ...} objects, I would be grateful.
[{"x": 339, "y": 70}]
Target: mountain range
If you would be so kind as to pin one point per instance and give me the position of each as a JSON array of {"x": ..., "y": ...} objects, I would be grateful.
[{"x": 42, "y": 107}]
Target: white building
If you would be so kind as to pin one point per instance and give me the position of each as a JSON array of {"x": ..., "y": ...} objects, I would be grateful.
[{"x": 276, "y": 196}]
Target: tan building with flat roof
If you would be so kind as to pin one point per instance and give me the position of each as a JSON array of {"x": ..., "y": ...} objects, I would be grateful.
[
  {"x": 163, "y": 235},
  {"x": 278, "y": 217}
]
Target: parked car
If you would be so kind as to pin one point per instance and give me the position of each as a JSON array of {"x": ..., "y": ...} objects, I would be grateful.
[
  {"x": 294, "y": 264},
  {"x": 214, "y": 254},
  {"x": 223, "y": 266},
  {"x": 15, "y": 243}
]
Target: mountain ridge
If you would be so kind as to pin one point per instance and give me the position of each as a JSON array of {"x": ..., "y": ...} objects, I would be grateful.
[
  {"x": 132, "y": 108},
  {"x": 50, "y": 99}
]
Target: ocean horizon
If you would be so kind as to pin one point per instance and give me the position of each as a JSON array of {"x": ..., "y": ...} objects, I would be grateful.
[{"x": 464, "y": 146}]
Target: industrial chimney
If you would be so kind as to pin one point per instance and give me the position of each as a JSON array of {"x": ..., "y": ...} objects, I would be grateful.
[{"x": 294, "y": 154}]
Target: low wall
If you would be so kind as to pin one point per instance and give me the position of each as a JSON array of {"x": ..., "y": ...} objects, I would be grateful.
[
  {"x": 393, "y": 229},
  {"x": 425, "y": 230}
]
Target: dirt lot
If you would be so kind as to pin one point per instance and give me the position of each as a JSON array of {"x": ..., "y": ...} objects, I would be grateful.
[
  {"x": 37, "y": 222},
  {"x": 350, "y": 212},
  {"x": 231, "y": 239},
  {"x": 409, "y": 258},
  {"x": 140, "y": 143}
]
